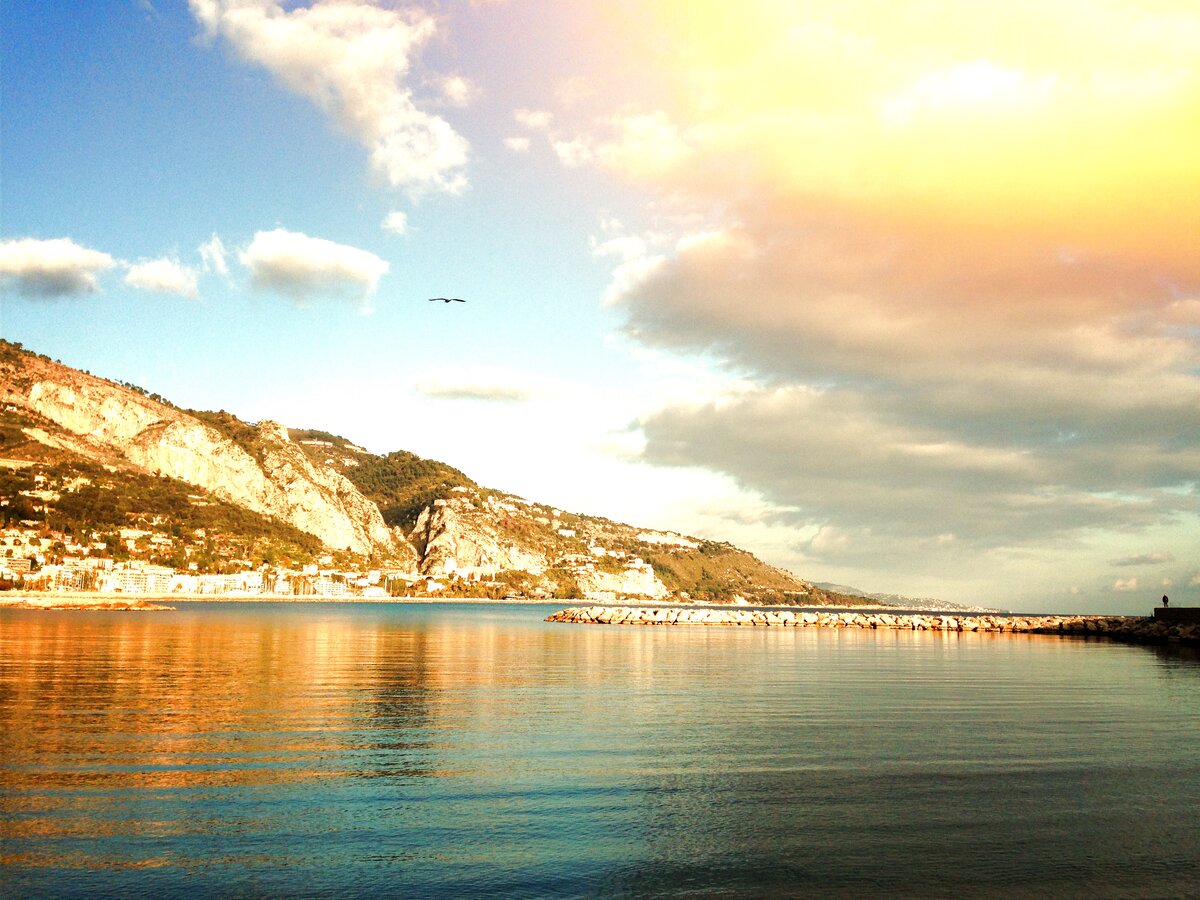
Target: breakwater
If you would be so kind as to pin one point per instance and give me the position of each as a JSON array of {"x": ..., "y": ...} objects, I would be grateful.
[
  {"x": 1138, "y": 629},
  {"x": 82, "y": 601}
]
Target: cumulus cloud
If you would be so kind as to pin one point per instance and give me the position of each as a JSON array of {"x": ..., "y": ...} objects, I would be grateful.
[
  {"x": 395, "y": 222},
  {"x": 305, "y": 268},
  {"x": 352, "y": 59},
  {"x": 458, "y": 91},
  {"x": 534, "y": 119},
  {"x": 518, "y": 144},
  {"x": 1125, "y": 585},
  {"x": 51, "y": 268},
  {"x": 163, "y": 276},
  {"x": 573, "y": 153}
]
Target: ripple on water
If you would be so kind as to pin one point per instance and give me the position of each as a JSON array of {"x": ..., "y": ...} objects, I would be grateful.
[{"x": 427, "y": 751}]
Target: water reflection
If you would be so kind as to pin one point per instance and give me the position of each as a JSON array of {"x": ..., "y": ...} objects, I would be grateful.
[{"x": 426, "y": 750}]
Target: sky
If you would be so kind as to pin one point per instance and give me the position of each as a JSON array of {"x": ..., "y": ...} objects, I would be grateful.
[{"x": 902, "y": 296}]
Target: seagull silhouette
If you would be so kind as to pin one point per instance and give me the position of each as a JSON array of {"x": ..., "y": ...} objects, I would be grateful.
[{"x": 446, "y": 300}]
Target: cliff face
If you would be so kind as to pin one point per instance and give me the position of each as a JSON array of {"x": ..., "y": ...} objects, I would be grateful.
[
  {"x": 635, "y": 579},
  {"x": 470, "y": 530},
  {"x": 278, "y": 480},
  {"x": 452, "y": 534}
]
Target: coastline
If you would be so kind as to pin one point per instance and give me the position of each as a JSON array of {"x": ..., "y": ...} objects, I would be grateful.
[
  {"x": 1130, "y": 629},
  {"x": 99, "y": 599},
  {"x": 104, "y": 599}
]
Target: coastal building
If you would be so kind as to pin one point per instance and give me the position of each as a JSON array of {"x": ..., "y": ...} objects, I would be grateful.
[{"x": 325, "y": 586}]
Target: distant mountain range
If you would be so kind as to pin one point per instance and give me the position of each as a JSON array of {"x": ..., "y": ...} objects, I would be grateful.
[
  {"x": 94, "y": 458},
  {"x": 899, "y": 601}
]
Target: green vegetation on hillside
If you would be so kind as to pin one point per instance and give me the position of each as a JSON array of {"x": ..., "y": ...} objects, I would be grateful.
[
  {"x": 241, "y": 433},
  {"x": 93, "y": 500},
  {"x": 715, "y": 572},
  {"x": 402, "y": 484},
  {"x": 315, "y": 434}
]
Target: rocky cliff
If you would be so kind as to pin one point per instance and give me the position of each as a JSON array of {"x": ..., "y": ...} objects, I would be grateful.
[
  {"x": 452, "y": 534},
  {"x": 102, "y": 421}
]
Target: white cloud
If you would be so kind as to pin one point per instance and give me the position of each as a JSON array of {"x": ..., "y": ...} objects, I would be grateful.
[
  {"x": 574, "y": 153},
  {"x": 1125, "y": 585},
  {"x": 395, "y": 222},
  {"x": 352, "y": 60},
  {"x": 517, "y": 144},
  {"x": 213, "y": 256},
  {"x": 305, "y": 268},
  {"x": 163, "y": 276},
  {"x": 51, "y": 268},
  {"x": 644, "y": 145},
  {"x": 459, "y": 91},
  {"x": 533, "y": 119}
]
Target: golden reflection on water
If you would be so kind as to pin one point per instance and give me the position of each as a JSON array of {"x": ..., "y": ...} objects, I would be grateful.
[
  {"x": 243, "y": 738},
  {"x": 155, "y": 703}
]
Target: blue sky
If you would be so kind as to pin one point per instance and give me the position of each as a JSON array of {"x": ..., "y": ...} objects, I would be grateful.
[{"x": 902, "y": 301}]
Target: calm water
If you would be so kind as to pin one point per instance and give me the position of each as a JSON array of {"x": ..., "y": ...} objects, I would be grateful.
[{"x": 429, "y": 750}]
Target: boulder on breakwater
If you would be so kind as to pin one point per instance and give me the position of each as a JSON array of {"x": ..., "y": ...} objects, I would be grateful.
[{"x": 1139, "y": 629}]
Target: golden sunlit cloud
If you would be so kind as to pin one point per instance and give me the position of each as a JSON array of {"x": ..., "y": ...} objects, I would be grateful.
[{"x": 1073, "y": 119}]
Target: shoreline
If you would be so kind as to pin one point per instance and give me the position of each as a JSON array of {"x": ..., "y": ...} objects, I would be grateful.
[
  {"x": 104, "y": 600},
  {"x": 98, "y": 600},
  {"x": 1133, "y": 629},
  {"x": 119, "y": 600}
]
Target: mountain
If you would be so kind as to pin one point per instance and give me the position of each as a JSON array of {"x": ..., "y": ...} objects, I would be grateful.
[
  {"x": 88, "y": 456},
  {"x": 899, "y": 601}
]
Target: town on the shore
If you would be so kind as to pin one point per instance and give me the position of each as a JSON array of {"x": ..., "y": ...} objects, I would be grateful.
[
  {"x": 42, "y": 560},
  {"x": 36, "y": 559}
]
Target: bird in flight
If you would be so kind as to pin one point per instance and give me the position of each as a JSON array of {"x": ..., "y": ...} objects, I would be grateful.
[{"x": 446, "y": 300}]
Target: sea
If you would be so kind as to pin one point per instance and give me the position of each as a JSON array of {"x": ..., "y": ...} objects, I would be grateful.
[{"x": 466, "y": 750}]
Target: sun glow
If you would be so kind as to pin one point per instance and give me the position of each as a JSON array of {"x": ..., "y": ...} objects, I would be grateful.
[{"x": 1069, "y": 119}]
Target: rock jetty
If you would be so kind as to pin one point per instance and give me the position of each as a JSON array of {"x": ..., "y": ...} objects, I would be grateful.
[
  {"x": 1137, "y": 629},
  {"x": 77, "y": 601}
]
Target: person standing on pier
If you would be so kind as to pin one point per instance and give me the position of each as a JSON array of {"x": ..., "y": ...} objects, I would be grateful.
[{"x": 1166, "y": 602}]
